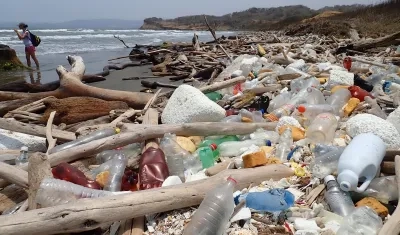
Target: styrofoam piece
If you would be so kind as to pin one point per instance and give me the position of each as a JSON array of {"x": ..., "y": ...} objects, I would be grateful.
[
  {"x": 339, "y": 77},
  {"x": 15, "y": 140},
  {"x": 171, "y": 180},
  {"x": 243, "y": 214},
  {"x": 188, "y": 104}
]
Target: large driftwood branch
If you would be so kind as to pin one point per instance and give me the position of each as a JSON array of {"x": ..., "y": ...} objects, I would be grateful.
[
  {"x": 221, "y": 85},
  {"x": 379, "y": 42},
  {"x": 71, "y": 85},
  {"x": 392, "y": 226},
  {"x": 38, "y": 169},
  {"x": 87, "y": 214},
  {"x": 36, "y": 130},
  {"x": 14, "y": 175}
]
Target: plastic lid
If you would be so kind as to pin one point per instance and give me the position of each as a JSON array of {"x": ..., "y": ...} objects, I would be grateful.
[
  {"x": 213, "y": 146},
  {"x": 117, "y": 130},
  {"x": 268, "y": 143},
  {"x": 329, "y": 178},
  {"x": 301, "y": 109},
  {"x": 24, "y": 148},
  {"x": 230, "y": 178}
]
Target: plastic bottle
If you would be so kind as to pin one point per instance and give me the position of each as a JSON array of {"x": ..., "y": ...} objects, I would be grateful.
[
  {"x": 322, "y": 128},
  {"x": 311, "y": 111},
  {"x": 340, "y": 202},
  {"x": 130, "y": 151},
  {"x": 375, "y": 108},
  {"x": 384, "y": 189},
  {"x": 175, "y": 156},
  {"x": 359, "y": 93},
  {"x": 363, "y": 84},
  {"x": 49, "y": 197},
  {"x": 130, "y": 181},
  {"x": 362, "y": 221},
  {"x": 300, "y": 83},
  {"x": 214, "y": 96},
  {"x": 285, "y": 110},
  {"x": 214, "y": 212},
  {"x": 360, "y": 160},
  {"x": 308, "y": 95},
  {"x": 321, "y": 149},
  {"x": 338, "y": 99},
  {"x": 260, "y": 133},
  {"x": 153, "y": 169},
  {"x": 65, "y": 171},
  {"x": 285, "y": 143},
  {"x": 218, "y": 141},
  {"x": 280, "y": 100},
  {"x": 233, "y": 148},
  {"x": 68, "y": 187},
  {"x": 118, "y": 165},
  {"x": 207, "y": 155},
  {"x": 86, "y": 139},
  {"x": 326, "y": 164},
  {"x": 23, "y": 156}
]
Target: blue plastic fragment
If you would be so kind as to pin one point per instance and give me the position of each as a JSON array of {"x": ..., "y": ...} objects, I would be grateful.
[
  {"x": 290, "y": 155},
  {"x": 273, "y": 200}
]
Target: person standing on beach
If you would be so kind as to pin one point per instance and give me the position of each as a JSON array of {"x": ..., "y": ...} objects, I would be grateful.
[{"x": 29, "y": 48}]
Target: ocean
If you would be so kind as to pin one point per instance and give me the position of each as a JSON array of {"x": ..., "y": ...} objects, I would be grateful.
[{"x": 95, "y": 47}]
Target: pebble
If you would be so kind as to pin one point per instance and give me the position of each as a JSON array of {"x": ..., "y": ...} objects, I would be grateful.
[
  {"x": 15, "y": 140},
  {"x": 188, "y": 104},
  {"x": 368, "y": 123}
]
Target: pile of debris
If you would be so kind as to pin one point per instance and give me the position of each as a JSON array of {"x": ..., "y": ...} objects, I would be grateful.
[{"x": 297, "y": 135}]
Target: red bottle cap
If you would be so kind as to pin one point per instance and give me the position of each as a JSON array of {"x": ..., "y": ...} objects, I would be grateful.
[
  {"x": 213, "y": 146},
  {"x": 347, "y": 62},
  {"x": 301, "y": 109},
  {"x": 232, "y": 179}
]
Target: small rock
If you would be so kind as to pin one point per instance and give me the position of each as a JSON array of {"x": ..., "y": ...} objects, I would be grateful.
[
  {"x": 371, "y": 202},
  {"x": 188, "y": 104},
  {"x": 368, "y": 123}
]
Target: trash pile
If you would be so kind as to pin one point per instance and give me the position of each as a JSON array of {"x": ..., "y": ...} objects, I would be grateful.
[{"x": 275, "y": 145}]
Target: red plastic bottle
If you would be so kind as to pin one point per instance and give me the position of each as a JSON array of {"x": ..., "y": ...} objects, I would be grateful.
[
  {"x": 153, "y": 168},
  {"x": 357, "y": 92},
  {"x": 347, "y": 63},
  {"x": 65, "y": 171},
  {"x": 130, "y": 181}
]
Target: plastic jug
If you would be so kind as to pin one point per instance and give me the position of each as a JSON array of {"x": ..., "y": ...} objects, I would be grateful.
[
  {"x": 360, "y": 160},
  {"x": 322, "y": 128}
]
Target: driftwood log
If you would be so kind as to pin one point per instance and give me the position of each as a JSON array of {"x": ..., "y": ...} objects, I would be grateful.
[
  {"x": 14, "y": 175},
  {"x": 379, "y": 42},
  {"x": 39, "y": 168},
  {"x": 71, "y": 85},
  {"x": 87, "y": 214},
  {"x": 10, "y": 196}
]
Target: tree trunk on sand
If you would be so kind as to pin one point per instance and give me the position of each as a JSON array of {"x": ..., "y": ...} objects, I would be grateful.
[
  {"x": 87, "y": 214},
  {"x": 71, "y": 85}
]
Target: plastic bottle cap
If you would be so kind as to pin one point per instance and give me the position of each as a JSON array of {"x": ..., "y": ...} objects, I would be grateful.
[
  {"x": 301, "y": 109},
  {"x": 117, "y": 130},
  {"x": 213, "y": 146},
  {"x": 329, "y": 178},
  {"x": 347, "y": 180},
  {"x": 232, "y": 179},
  {"x": 268, "y": 143},
  {"x": 24, "y": 148}
]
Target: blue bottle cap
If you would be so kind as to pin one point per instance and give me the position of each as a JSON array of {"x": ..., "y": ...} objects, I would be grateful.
[{"x": 268, "y": 143}]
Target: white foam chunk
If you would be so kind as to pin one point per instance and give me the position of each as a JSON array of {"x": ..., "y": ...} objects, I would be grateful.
[
  {"x": 339, "y": 77},
  {"x": 188, "y": 104},
  {"x": 15, "y": 140}
]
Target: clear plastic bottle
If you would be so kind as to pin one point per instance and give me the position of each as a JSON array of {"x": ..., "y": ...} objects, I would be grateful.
[
  {"x": 311, "y": 111},
  {"x": 130, "y": 151},
  {"x": 322, "y": 128},
  {"x": 300, "y": 83},
  {"x": 23, "y": 156},
  {"x": 234, "y": 148},
  {"x": 363, "y": 221},
  {"x": 321, "y": 149},
  {"x": 260, "y": 133},
  {"x": 217, "y": 141},
  {"x": 326, "y": 164},
  {"x": 383, "y": 188},
  {"x": 308, "y": 95},
  {"x": 280, "y": 100},
  {"x": 86, "y": 139},
  {"x": 118, "y": 165},
  {"x": 338, "y": 99},
  {"x": 50, "y": 197},
  {"x": 285, "y": 143},
  {"x": 175, "y": 155},
  {"x": 213, "y": 214},
  {"x": 340, "y": 202}
]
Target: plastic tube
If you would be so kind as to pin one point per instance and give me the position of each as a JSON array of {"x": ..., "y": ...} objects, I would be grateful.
[{"x": 86, "y": 139}]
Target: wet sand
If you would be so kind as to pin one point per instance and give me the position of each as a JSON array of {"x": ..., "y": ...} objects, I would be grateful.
[{"x": 114, "y": 80}]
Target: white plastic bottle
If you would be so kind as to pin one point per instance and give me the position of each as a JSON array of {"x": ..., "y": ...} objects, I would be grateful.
[
  {"x": 214, "y": 211},
  {"x": 233, "y": 148},
  {"x": 360, "y": 160},
  {"x": 322, "y": 128}
]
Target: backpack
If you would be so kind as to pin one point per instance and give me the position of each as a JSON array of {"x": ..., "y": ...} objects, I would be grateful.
[{"x": 34, "y": 39}]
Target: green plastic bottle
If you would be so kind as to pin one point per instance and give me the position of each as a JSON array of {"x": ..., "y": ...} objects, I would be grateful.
[
  {"x": 218, "y": 141},
  {"x": 208, "y": 155},
  {"x": 214, "y": 96}
]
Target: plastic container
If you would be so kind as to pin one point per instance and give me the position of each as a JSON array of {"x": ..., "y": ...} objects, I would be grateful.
[
  {"x": 274, "y": 200},
  {"x": 360, "y": 160},
  {"x": 311, "y": 111},
  {"x": 175, "y": 155},
  {"x": 326, "y": 164},
  {"x": 23, "y": 156},
  {"x": 322, "y": 128},
  {"x": 384, "y": 189},
  {"x": 153, "y": 169},
  {"x": 207, "y": 155},
  {"x": 65, "y": 171},
  {"x": 234, "y": 148},
  {"x": 308, "y": 95},
  {"x": 340, "y": 202},
  {"x": 285, "y": 143},
  {"x": 285, "y": 110},
  {"x": 117, "y": 170},
  {"x": 260, "y": 133},
  {"x": 359, "y": 93},
  {"x": 363, "y": 221},
  {"x": 86, "y": 139},
  {"x": 338, "y": 99},
  {"x": 321, "y": 149},
  {"x": 49, "y": 197},
  {"x": 218, "y": 141},
  {"x": 214, "y": 212},
  {"x": 279, "y": 101}
]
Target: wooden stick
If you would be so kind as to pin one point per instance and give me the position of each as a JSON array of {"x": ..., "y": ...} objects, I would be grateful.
[
  {"x": 14, "y": 175},
  {"x": 369, "y": 62},
  {"x": 50, "y": 140},
  {"x": 86, "y": 214},
  {"x": 392, "y": 226},
  {"x": 39, "y": 168},
  {"x": 10, "y": 196},
  {"x": 36, "y": 130},
  {"x": 23, "y": 207},
  {"x": 221, "y": 85},
  {"x": 129, "y": 113}
]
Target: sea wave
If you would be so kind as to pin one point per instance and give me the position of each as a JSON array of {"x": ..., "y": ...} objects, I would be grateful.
[{"x": 65, "y": 37}]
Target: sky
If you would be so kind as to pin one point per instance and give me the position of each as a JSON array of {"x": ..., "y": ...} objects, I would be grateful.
[{"x": 65, "y": 10}]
